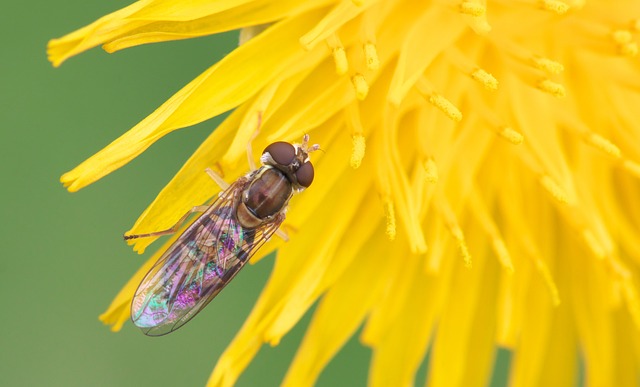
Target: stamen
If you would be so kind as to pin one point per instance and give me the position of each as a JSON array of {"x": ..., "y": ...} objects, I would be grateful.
[
  {"x": 360, "y": 85},
  {"x": 548, "y": 280},
  {"x": 617, "y": 268},
  {"x": 449, "y": 218},
  {"x": 357, "y": 150},
  {"x": 632, "y": 167},
  {"x": 472, "y": 9},
  {"x": 445, "y": 106},
  {"x": 577, "y": 4},
  {"x": 625, "y": 43},
  {"x": 629, "y": 49},
  {"x": 340, "y": 59},
  {"x": 352, "y": 112},
  {"x": 622, "y": 36},
  {"x": 502, "y": 253},
  {"x": 631, "y": 297},
  {"x": 480, "y": 25},
  {"x": 554, "y": 189},
  {"x": 431, "y": 171},
  {"x": 551, "y": 87},
  {"x": 437, "y": 100},
  {"x": 511, "y": 135},
  {"x": 616, "y": 294},
  {"x": 339, "y": 54},
  {"x": 542, "y": 268},
  {"x": 370, "y": 20},
  {"x": 547, "y": 65},
  {"x": 594, "y": 245},
  {"x": 390, "y": 214},
  {"x": 457, "y": 234},
  {"x": 528, "y": 58},
  {"x": 486, "y": 221},
  {"x": 371, "y": 56},
  {"x": 498, "y": 127},
  {"x": 603, "y": 144},
  {"x": 505, "y": 326},
  {"x": 476, "y": 16},
  {"x": 460, "y": 60},
  {"x": 554, "y": 6},
  {"x": 486, "y": 79}
]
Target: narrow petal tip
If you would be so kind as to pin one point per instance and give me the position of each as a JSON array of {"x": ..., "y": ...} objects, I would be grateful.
[{"x": 69, "y": 182}]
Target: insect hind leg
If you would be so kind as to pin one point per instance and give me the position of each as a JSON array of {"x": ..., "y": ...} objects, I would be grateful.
[
  {"x": 171, "y": 230},
  {"x": 282, "y": 235}
]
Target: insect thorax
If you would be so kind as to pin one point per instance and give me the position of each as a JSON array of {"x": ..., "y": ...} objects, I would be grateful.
[{"x": 266, "y": 195}]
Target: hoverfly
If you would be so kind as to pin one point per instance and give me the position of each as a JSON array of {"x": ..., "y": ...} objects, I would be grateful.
[{"x": 211, "y": 251}]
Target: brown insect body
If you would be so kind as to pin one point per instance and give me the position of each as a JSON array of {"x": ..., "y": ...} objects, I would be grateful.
[
  {"x": 211, "y": 251},
  {"x": 286, "y": 169},
  {"x": 267, "y": 193}
]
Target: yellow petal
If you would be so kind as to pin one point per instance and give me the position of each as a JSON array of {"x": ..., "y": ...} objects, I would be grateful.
[
  {"x": 190, "y": 187},
  {"x": 627, "y": 359},
  {"x": 546, "y": 347},
  {"x": 288, "y": 294},
  {"x": 120, "y": 309},
  {"x": 340, "y": 312},
  {"x": 100, "y": 31},
  {"x": 540, "y": 191},
  {"x": 313, "y": 103},
  {"x": 393, "y": 182},
  {"x": 421, "y": 46},
  {"x": 399, "y": 352},
  {"x": 341, "y": 13},
  {"x": 589, "y": 283},
  {"x": 462, "y": 354},
  {"x": 309, "y": 282},
  {"x": 388, "y": 306},
  {"x": 544, "y": 144},
  {"x": 205, "y": 18},
  {"x": 220, "y": 88}
]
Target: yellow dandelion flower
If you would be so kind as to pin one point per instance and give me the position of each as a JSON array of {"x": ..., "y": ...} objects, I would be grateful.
[{"x": 479, "y": 186}]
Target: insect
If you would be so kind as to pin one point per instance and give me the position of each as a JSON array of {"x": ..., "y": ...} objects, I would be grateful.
[{"x": 211, "y": 251}]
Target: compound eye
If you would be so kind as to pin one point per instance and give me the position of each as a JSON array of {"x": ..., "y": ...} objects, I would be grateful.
[
  {"x": 304, "y": 174},
  {"x": 281, "y": 152}
]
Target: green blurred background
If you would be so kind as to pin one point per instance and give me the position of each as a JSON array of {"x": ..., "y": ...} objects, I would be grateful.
[{"x": 64, "y": 258}]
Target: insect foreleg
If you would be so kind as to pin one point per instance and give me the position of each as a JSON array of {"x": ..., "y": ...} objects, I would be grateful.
[{"x": 170, "y": 230}]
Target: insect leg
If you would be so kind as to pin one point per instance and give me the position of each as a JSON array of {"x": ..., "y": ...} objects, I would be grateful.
[
  {"x": 282, "y": 235},
  {"x": 217, "y": 178},
  {"x": 170, "y": 230}
]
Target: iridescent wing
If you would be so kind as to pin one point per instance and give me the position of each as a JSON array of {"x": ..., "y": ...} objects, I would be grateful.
[{"x": 201, "y": 262}]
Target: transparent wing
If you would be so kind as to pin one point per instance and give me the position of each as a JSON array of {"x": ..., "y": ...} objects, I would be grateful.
[{"x": 197, "y": 266}]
